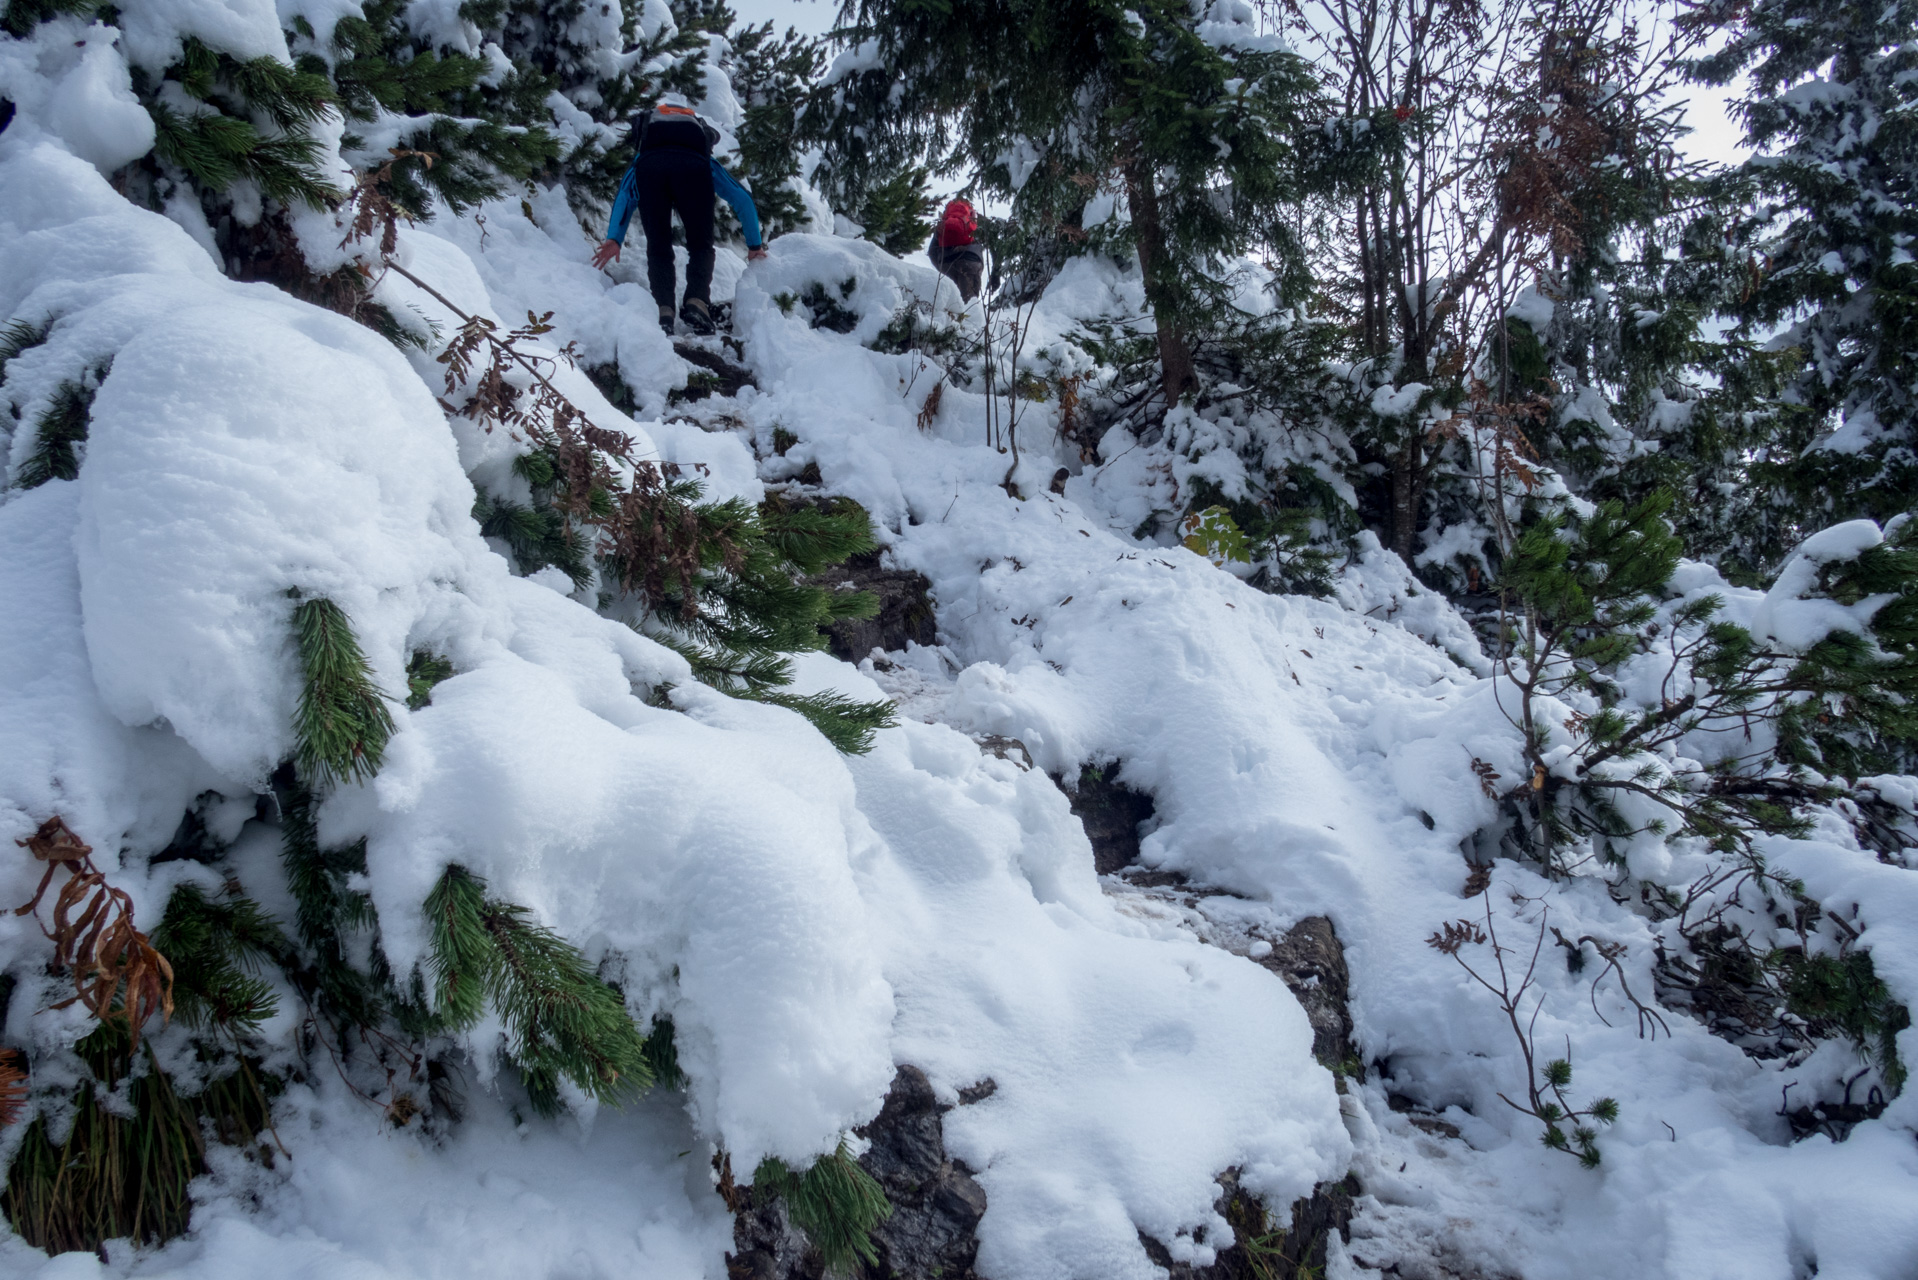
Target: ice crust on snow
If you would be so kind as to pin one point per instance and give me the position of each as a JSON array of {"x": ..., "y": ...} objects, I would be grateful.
[{"x": 809, "y": 920}]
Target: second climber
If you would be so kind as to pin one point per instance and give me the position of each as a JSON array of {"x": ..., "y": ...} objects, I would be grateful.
[
  {"x": 673, "y": 171},
  {"x": 955, "y": 252}
]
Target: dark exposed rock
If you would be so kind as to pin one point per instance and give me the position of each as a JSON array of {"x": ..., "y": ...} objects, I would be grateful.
[
  {"x": 1420, "y": 1117},
  {"x": 766, "y": 1244},
  {"x": 1144, "y": 879},
  {"x": 1264, "y": 1249},
  {"x": 905, "y": 608},
  {"x": 1311, "y": 961},
  {"x": 936, "y": 1204},
  {"x": 712, "y": 374},
  {"x": 1011, "y": 749},
  {"x": 1111, "y": 813},
  {"x": 978, "y": 1092}
]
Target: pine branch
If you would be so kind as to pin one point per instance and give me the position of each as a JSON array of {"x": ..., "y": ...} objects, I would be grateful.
[
  {"x": 424, "y": 670},
  {"x": 849, "y": 725},
  {"x": 835, "y": 1202},
  {"x": 217, "y": 949},
  {"x": 57, "y": 433},
  {"x": 561, "y": 1020},
  {"x": 343, "y": 722},
  {"x": 327, "y": 911}
]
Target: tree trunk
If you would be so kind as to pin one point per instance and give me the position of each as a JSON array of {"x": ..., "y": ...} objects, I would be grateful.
[
  {"x": 1176, "y": 371},
  {"x": 1408, "y": 474}
]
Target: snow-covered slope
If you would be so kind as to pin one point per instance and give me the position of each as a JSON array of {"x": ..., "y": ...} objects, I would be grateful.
[{"x": 810, "y": 920}]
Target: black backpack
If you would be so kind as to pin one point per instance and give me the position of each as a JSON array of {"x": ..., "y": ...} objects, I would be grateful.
[{"x": 675, "y": 125}]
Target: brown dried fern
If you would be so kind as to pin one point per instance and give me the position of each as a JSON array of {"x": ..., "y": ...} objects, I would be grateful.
[
  {"x": 117, "y": 971},
  {"x": 13, "y": 1086}
]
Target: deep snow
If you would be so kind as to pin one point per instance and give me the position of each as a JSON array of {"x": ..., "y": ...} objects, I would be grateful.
[{"x": 809, "y": 920}]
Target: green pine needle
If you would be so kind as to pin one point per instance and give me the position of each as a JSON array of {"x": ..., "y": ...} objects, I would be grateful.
[
  {"x": 848, "y": 725},
  {"x": 662, "y": 1055},
  {"x": 835, "y": 1202},
  {"x": 343, "y": 722},
  {"x": 124, "y": 1168},
  {"x": 328, "y": 911},
  {"x": 561, "y": 1020},
  {"x": 21, "y": 16},
  {"x": 57, "y": 435},
  {"x": 424, "y": 670},
  {"x": 216, "y": 949},
  {"x": 17, "y": 336}
]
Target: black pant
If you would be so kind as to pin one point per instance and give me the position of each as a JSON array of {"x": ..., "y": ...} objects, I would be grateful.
[{"x": 672, "y": 179}]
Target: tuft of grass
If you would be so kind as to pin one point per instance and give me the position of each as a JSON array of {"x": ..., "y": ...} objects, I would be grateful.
[{"x": 117, "y": 1175}]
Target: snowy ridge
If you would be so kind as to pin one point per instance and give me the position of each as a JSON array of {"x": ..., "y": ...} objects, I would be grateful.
[{"x": 810, "y": 920}]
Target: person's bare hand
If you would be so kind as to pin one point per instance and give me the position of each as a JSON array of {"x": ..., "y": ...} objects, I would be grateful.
[
  {"x": 608, "y": 251},
  {"x": 754, "y": 255}
]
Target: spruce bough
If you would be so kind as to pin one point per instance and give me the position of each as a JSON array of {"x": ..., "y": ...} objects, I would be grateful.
[
  {"x": 561, "y": 1020},
  {"x": 835, "y": 1202}
]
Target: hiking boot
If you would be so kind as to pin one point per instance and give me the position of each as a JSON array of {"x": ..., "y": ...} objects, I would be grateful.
[
  {"x": 666, "y": 320},
  {"x": 698, "y": 317}
]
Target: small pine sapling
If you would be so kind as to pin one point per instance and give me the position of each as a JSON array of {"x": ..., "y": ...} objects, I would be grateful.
[
  {"x": 1545, "y": 1084},
  {"x": 835, "y": 1202}
]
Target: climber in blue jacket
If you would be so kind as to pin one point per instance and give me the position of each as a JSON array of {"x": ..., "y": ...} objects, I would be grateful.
[{"x": 673, "y": 170}]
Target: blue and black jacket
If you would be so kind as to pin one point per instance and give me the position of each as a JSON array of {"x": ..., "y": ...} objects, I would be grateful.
[{"x": 679, "y": 130}]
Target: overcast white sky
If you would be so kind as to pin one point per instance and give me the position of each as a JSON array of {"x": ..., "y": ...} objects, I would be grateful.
[{"x": 813, "y": 17}]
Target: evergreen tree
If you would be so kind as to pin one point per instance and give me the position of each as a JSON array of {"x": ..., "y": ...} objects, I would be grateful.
[
  {"x": 222, "y": 121},
  {"x": 897, "y": 213},
  {"x": 469, "y": 130},
  {"x": 1831, "y": 278},
  {"x": 1190, "y": 112},
  {"x": 772, "y": 78}
]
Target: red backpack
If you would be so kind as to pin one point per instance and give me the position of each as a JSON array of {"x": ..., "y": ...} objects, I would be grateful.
[{"x": 957, "y": 225}]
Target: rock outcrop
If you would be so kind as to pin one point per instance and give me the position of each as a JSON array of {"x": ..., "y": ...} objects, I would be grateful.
[{"x": 936, "y": 1204}]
